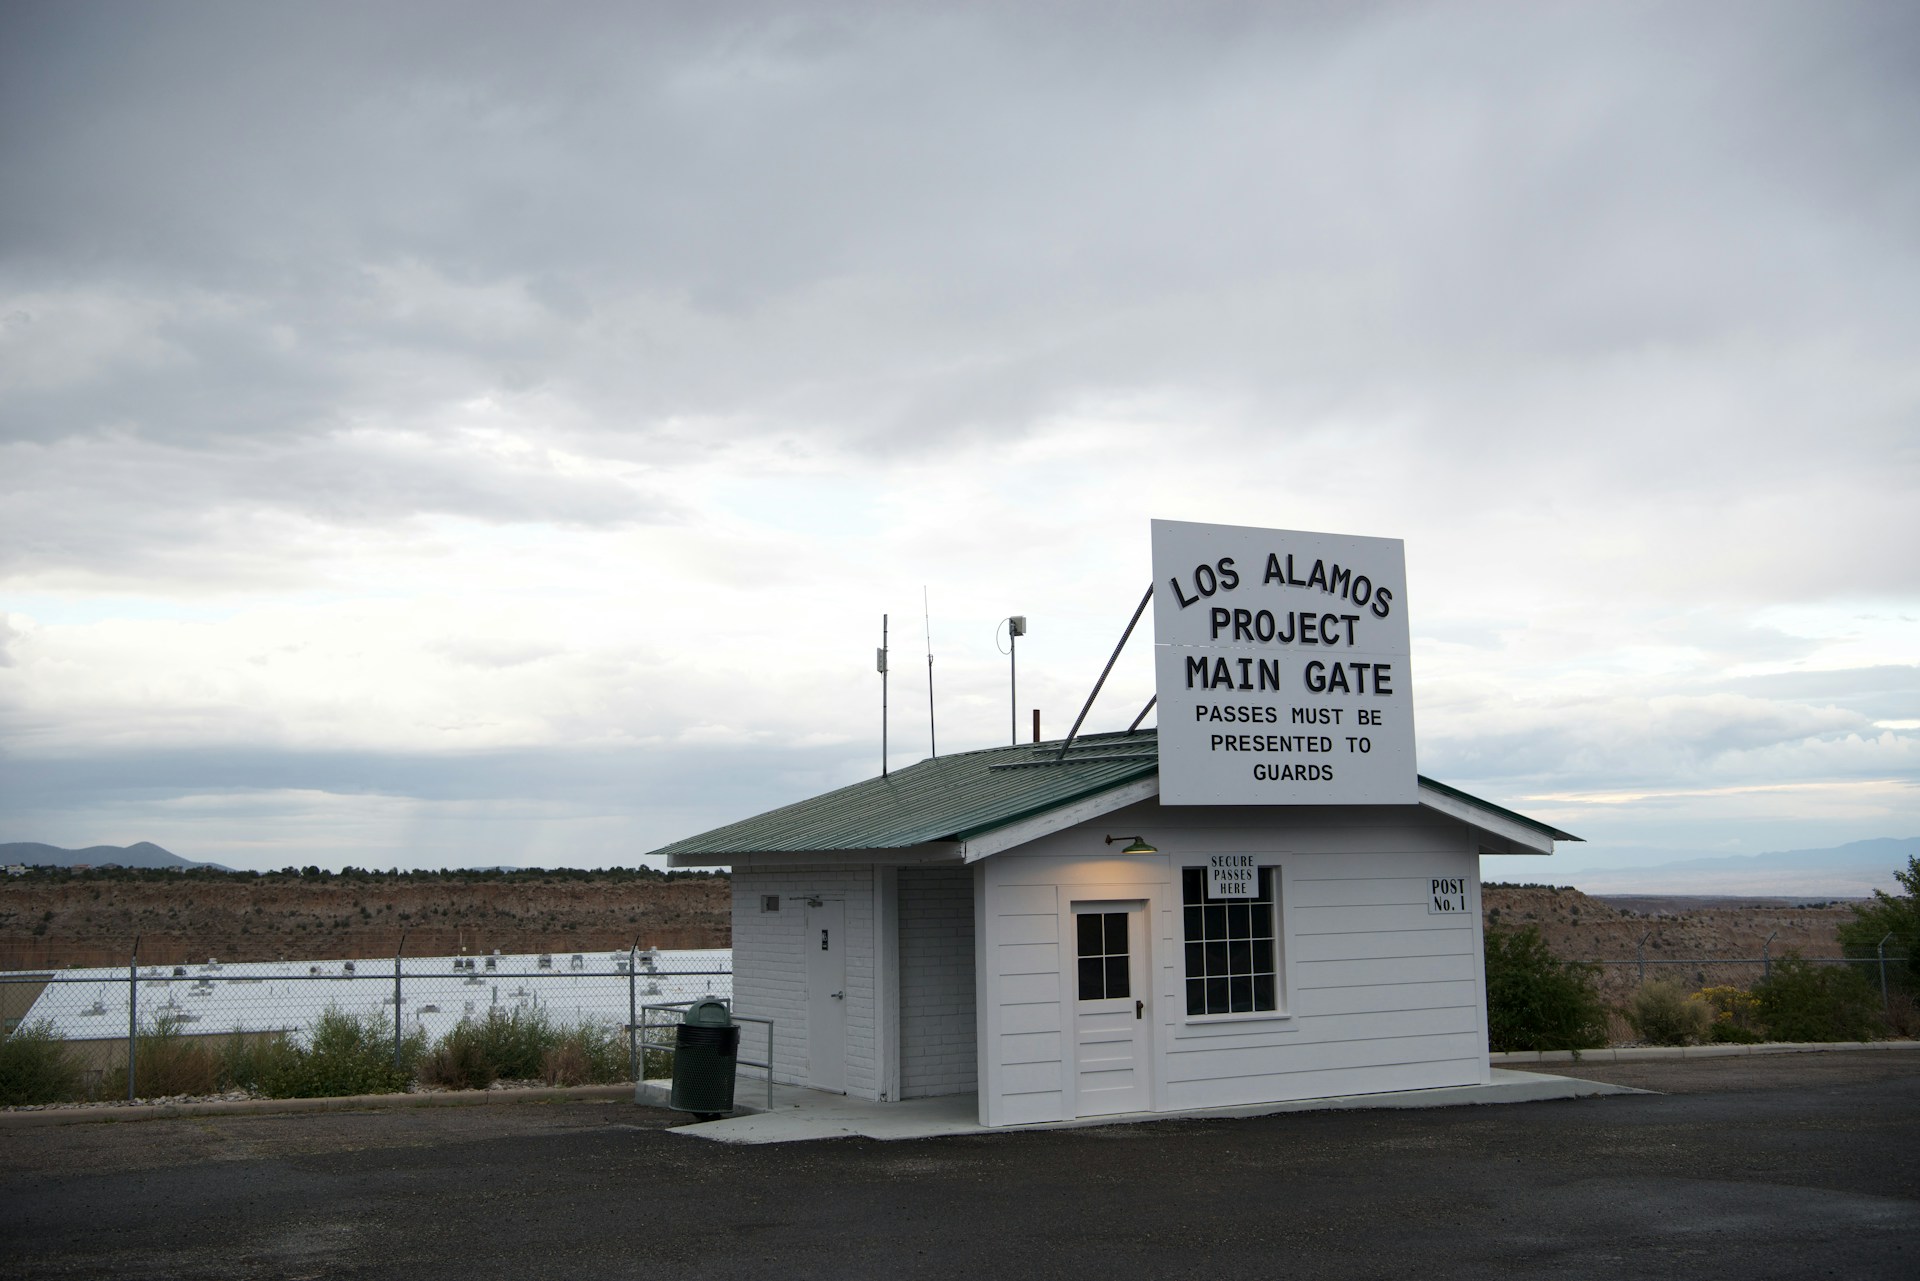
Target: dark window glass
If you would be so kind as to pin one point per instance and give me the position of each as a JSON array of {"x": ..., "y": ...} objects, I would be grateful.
[
  {"x": 1231, "y": 951},
  {"x": 1102, "y": 938}
]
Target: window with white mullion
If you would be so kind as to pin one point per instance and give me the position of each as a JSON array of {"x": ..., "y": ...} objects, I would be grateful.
[{"x": 1232, "y": 958}]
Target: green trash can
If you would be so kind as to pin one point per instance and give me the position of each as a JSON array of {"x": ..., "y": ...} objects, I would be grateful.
[{"x": 706, "y": 1053}]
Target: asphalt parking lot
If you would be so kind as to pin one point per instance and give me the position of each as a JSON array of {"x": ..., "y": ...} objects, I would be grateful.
[{"x": 1793, "y": 1166}]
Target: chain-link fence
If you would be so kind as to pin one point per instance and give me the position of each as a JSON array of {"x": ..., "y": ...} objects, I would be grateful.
[
  {"x": 342, "y": 1026},
  {"x": 1881, "y": 970}
]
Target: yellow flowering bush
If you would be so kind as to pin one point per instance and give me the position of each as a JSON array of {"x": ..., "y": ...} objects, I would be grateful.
[{"x": 1736, "y": 1014}]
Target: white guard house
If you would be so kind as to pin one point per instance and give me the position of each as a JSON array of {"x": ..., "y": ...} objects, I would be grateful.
[{"x": 1044, "y": 932}]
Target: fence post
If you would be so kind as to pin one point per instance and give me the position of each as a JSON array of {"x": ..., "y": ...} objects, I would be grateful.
[
  {"x": 133, "y": 1012},
  {"x": 1766, "y": 957},
  {"x": 397, "y": 954},
  {"x": 1880, "y": 950},
  {"x": 633, "y": 1010},
  {"x": 1640, "y": 951}
]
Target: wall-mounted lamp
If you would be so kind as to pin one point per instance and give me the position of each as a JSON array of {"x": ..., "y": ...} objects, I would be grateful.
[{"x": 1139, "y": 845}]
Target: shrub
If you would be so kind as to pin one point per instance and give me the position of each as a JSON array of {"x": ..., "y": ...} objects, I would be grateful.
[
  {"x": 515, "y": 1042},
  {"x": 1736, "y": 1015},
  {"x": 343, "y": 1054},
  {"x": 522, "y": 1044},
  {"x": 1895, "y": 914},
  {"x": 36, "y": 1067},
  {"x": 587, "y": 1054},
  {"x": 1802, "y": 1001},
  {"x": 166, "y": 1063},
  {"x": 249, "y": 1060},
  {"x": 459, "y": 1061},
  {"x": 1535, "y": 1002},
  {"x": 1664, "y": 1013}
]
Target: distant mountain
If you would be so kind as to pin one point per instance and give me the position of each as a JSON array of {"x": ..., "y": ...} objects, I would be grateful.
[
  {"x": 1853, "y": 870},
  {"x": 142, "y": 854}
]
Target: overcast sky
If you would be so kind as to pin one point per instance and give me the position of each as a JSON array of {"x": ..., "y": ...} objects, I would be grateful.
[{"x": 434, "y": 435}]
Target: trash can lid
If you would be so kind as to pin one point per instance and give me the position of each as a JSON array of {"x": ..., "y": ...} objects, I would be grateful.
[{"x": 708, "y": 1014}]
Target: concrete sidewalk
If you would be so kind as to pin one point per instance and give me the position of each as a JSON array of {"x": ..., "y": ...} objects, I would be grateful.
[{"x": 799, "y": 1115}]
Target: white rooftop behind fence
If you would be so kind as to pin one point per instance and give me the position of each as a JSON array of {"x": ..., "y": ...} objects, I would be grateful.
[{"x": 215, "y": 998}]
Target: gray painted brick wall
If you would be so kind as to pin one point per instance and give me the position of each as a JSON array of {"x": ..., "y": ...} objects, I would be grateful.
[{"x": 937, "y": 1021}]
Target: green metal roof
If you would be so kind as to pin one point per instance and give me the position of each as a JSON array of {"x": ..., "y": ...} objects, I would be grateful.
[
  {"x": 953, "y": 798},
  {"x": 1546, "y": 829},
  {"x": 948, "y": 798}
]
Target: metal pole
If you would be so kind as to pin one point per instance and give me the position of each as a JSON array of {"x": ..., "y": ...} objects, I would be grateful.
[
  {"x": 933, "y": 742},
  {"x": 1880, "y": 950},
  {"x": 133, "y": 1012},
  {"x": 1143, "y": 714},
  {"x": 398, "y": 952},
  {"x": 1013, "y": 688},
  {"x": 1139, "y": 609},
  {"x": 633, "y": 1010},
  {"x": 883, "y": 696},
  {"x": 1640, "y": 952},
  {"x": 1766, "y": 957}
]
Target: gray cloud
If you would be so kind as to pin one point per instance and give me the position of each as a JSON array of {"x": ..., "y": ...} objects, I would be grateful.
[{"x": 1638, "y": 276}]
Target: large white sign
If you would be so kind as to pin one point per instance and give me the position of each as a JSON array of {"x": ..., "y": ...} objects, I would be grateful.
[{"x": 1281, "y": 666}]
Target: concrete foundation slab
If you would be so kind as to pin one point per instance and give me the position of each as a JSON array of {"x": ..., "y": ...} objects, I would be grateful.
[{"x": 799, "y": 1115}]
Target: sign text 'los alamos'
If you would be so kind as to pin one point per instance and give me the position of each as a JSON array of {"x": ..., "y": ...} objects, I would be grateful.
[{"x": 1281, "y": 665}]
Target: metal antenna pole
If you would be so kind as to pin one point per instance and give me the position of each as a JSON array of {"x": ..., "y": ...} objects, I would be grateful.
[
  {"x": 1138, "y": 610},
  {"x": 933, "y": 743},
  {"x": 1013, "y": 687},
  {"x": 880, "y": 661}
]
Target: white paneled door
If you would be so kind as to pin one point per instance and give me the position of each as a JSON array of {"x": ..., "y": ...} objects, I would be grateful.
[
  {"x": 827, "y": 996},
  {"x": 1111, "y": 1009}
]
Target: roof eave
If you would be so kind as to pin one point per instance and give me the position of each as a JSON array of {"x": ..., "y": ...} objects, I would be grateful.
[{"x": 1503, "y": 831}]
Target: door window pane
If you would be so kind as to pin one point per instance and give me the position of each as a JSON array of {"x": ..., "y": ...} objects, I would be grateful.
[{"x": 1104, "y": 957}]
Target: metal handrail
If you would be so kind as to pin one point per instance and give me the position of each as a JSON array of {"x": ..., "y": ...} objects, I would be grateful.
[{"x": 678, "y": 1007}]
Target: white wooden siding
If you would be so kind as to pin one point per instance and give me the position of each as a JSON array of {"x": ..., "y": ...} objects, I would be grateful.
[
  {"x": 1379, "y": 995},
  {"x": 770, "y": 966}
]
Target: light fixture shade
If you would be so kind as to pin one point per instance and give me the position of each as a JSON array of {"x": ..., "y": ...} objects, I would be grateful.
[{"x": 1139, "y": 847}]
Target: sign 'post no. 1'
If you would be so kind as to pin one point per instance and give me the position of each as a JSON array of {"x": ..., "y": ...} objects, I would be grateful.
[{"x": 1281, "y": 667}]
